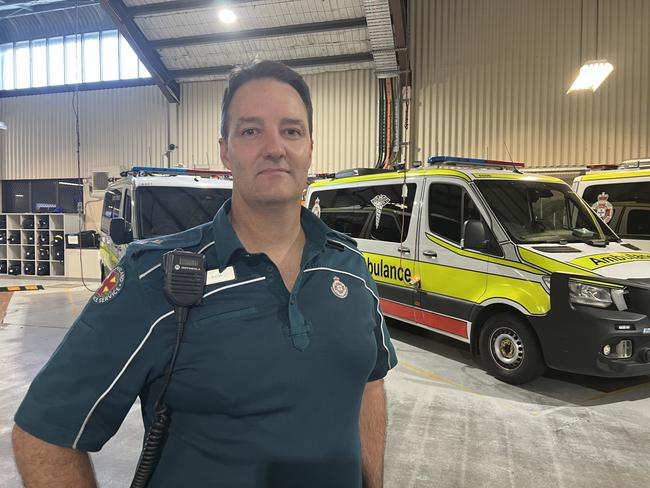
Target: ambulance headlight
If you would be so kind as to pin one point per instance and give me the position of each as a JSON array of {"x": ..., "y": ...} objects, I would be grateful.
[{"x": 592, "y": 295}]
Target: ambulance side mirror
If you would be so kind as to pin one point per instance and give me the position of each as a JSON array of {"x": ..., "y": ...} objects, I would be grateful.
[
  {"x": 474, "y": 235},
  {"x": 120, "y": 231}
]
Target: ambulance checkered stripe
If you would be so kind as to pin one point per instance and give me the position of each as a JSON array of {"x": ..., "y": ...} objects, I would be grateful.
[
  {"x": 159, "y": 264},
  {"x": 383, "y": 323},
  {"x": 137, "y": 350}
]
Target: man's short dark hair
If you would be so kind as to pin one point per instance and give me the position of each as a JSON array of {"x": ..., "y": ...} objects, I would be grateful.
[{"x": 263, "y": 69}]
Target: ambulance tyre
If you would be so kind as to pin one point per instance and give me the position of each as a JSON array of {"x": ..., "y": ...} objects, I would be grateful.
[{"x": 510, "y": 350}]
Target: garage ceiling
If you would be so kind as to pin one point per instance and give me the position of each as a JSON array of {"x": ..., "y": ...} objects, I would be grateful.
[{"x": 183, "y": 40}]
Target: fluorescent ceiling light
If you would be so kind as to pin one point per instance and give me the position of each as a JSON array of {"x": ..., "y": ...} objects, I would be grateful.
[
  {"x": 69, "y": 184},
  {"x": 227, "y": 16},
  {"x": 3, "y": 126},
  {"x": 591, "y": 75}
]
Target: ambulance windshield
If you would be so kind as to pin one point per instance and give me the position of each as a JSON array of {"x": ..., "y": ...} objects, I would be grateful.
[
  {"x": 538, "y": 211},
  {"x": 166, "y": 210}
]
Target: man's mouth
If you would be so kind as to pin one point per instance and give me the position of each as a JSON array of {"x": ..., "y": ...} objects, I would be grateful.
[{"x": 273, "y": 171}]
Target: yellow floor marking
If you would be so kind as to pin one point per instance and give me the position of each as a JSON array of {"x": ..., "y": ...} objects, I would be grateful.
[
  {"x": 13, "y": 288},
  {"x": 437, "y": 378},
  {"x": 31, "y": 287}
]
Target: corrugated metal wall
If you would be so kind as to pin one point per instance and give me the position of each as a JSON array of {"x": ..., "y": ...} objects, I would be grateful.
[
  {"x": 117, "y": 127},
  {"x": 130, "y": 125},
  {"x": 493, "y": 73},
  {"x": 345, "y": 121},
  {"x": 199, "y": 122}
]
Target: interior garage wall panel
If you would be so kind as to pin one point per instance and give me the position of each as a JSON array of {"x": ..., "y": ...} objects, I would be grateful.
[
  {"x": 344, "y": 121},
  {"x": 199, "y": 121},
  {"x": 490, "y": 78},
  {"x": 118, "y": 128}
]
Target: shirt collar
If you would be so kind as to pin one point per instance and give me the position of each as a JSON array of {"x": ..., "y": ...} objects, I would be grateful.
[{"x": 227, "y": 243}]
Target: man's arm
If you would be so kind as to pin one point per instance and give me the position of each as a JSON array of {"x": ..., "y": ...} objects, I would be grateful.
[
  {"x": 42, "y": 464},
  {"x": 372, "y": 427}
]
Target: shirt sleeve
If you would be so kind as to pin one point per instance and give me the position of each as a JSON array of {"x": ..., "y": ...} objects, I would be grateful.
[
  {"x": 386, "y": 357},
  {"x": 81, "y": 396}
]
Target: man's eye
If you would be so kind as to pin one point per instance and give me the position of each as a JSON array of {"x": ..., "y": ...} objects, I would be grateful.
[
  {"x": 251, "y": 131},
  {"x": 293, "y": 132}
]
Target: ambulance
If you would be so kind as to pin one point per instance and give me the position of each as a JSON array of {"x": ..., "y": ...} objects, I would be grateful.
[
  {"x": 148, "y": 202},
  {"x": 621, "y": 198},
  {"x": 514, "y": 264}
]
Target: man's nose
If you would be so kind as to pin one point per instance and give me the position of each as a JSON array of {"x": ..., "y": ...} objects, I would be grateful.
[{"x": 274, "y": 146}]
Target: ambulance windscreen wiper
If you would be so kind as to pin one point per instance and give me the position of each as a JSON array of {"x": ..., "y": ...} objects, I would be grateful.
[{"x": 598, "y": 242}]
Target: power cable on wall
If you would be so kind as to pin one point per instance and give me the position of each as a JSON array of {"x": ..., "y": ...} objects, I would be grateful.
[{"x": 75, "y": 109}]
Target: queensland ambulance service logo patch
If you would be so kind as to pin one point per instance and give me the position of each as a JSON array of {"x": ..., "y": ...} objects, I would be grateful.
[
  {"x": 338, "y": 288},
  {"x": 603, "y": 208},
  {"x": 111, "y": 286}
]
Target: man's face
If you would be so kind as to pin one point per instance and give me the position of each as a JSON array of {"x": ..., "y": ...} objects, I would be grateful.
[{"x": 269, "y": 147}]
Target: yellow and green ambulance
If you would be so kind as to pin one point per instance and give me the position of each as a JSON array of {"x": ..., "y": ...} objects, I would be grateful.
[{"x": 516, "y": 265}]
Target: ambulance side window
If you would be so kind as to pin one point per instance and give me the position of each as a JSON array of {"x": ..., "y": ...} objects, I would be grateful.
[
  {"x": 127, "y": 206},
  {"x": 445, "y": 211},
  {"x": 628, "y": 206},
  {"x": 111, "y": 207},
  {"x": 450, "y": 206},
  {"x": 368, "y": 212}
]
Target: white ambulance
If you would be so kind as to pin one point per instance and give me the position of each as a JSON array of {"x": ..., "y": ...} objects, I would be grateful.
[
  {"x": 150, "y": 202},
  {"x": 516, "y": 265},
  {"x": 621, "y": 198}
]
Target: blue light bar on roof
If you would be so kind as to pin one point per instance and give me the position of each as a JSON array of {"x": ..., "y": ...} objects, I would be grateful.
[
  {"x": 178, "y": 171},
  {"x": 472, "y": 161},
  {"x": 152, "y": 169}
]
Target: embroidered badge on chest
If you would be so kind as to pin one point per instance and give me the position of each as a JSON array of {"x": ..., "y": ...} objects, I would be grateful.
[
  {"x": 111, "y": 286},
  {"x": 338, "y": 288}
]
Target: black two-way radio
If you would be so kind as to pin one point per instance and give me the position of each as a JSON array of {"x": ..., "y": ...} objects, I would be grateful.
[{"x": 184, "y": 281}]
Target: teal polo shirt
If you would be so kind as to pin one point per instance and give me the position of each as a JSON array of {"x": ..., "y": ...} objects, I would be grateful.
[{"x": 268, "y": 384}]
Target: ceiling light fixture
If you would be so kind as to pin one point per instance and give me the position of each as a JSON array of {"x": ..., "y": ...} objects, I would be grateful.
[
  {"x": 591, "y": 75},
  {"x": 227, "y": 16}
]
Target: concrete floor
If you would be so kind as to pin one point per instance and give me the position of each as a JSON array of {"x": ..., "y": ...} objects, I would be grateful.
[{"x": 450, "y": 424}]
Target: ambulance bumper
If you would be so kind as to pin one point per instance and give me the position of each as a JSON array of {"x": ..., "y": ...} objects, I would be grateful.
[{"x": 589, "y": 340}]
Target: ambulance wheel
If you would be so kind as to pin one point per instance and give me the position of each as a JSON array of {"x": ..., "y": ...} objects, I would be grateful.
[{"x": 510, "y": 350}]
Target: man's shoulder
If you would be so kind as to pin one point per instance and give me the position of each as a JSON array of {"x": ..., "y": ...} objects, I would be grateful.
[
  {"x": 335, "y": 238},
  {"x": 156, "y": 246}
]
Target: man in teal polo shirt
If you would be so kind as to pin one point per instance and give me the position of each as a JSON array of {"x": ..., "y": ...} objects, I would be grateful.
[{"x": 278, "y": 381}]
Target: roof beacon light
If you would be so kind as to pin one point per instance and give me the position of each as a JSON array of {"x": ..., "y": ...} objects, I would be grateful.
[
  {"x": 636, "y": 163},
  {"x": 601, "y": 167},
  {"x": 178, "y": 171},
  {"x": 473, "y": 162}
]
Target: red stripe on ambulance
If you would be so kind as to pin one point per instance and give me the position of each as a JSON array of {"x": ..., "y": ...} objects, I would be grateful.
[{"x": 428, "y": 319}]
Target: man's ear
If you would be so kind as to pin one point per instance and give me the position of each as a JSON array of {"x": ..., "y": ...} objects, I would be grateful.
[{"x": 223, "y": 152}]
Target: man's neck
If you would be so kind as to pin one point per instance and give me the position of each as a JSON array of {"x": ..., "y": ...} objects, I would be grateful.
[{"x": 271, "y": 229}]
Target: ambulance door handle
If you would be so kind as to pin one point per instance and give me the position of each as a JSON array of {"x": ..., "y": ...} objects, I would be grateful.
[
  {"x": 430, "y": 253},
  {"x": 404, "y": 249}
]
